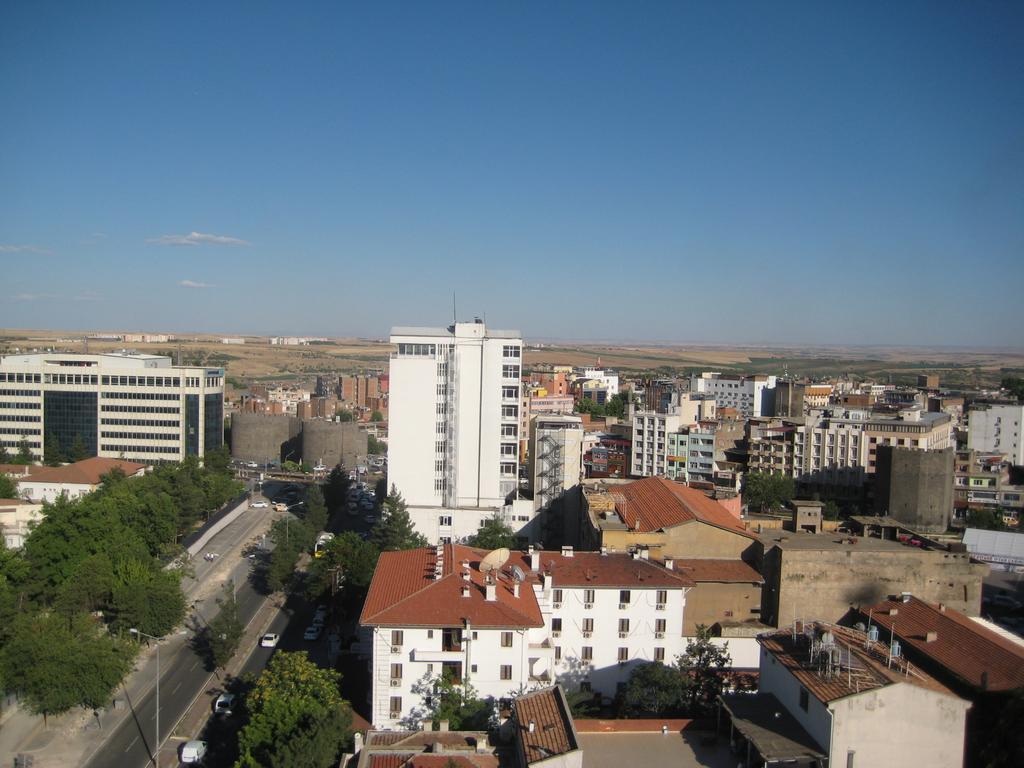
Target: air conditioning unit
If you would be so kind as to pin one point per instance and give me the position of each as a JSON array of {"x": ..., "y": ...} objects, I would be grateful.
[
  {"x": 556, "y": 634},
  {"x": 588, "y": 634},
  {"x": 556, "y": 605},
  {"x": 396, "y": 649},
  {"x": 623, "y": 606},
  {"x": 623, "y": 662},
  {"x": 395, "y": 715},
  {"x": 659, "y": 607},
  {"x": 587, "y": 606},
  {"x": 623, "y": 634},
  {"x": 659, "y": 635},
  {"x": 396, "y": 682}
]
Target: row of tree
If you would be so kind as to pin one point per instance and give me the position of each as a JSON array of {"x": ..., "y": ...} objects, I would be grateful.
[{"x": 613, "y": 406}]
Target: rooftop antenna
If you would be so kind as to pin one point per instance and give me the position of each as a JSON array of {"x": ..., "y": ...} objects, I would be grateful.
[{"x": 455, "y": 314}]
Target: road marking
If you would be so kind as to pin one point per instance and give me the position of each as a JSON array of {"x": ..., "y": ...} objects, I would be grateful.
[
  {"x": 132, "y": 744},
  {"x": 194, "y": 665},
  {"x": 176, "y": 688}
]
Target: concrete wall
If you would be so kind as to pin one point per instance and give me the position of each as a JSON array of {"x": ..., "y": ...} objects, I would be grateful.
[
  {"x": 825, "y": 584},
  {"x": 689, "y": 540},
  {"x": 915, "y": 487},
  {"x": 256, "y": 437},
  {"x": 709, "y": 602},
  {"x": 332, "y": 442}
]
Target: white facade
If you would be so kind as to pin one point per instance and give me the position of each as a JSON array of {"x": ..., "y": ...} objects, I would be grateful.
[
  {"x": 119, "y": 405},
  {"x": 650, "y": 443},
  {"x": 997, "y": 429},
  {"x": 17, "y": 517},
  {"x": 556, "y": 456},
  {"x": 453, "y": 442},
  {"x": 750, "y": 395},
  {"x": 607, "y": 381}
]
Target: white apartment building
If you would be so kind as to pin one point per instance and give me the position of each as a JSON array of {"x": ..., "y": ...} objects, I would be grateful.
[
  {"x": 750, "y": 395},
  {"x": 583, "y": 618},
  {"x": 650, "y": 443},
  {"x": 453, "y": 442},
  {"x": 556, "y": 456},
  {"x": 118, "y": 405},
  {"x": 997, "y": 429}
]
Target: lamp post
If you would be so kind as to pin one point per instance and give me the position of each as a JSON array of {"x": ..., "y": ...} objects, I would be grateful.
[{"x": 156, "y": 748}]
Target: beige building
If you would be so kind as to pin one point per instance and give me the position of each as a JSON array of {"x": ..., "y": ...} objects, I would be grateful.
[
  {"x": 725, "y": 592},
  {"x": 45, "y": 484},
  {"x": 16, "y": 518}
]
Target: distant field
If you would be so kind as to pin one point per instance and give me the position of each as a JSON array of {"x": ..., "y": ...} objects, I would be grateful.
[{"x": 257, "y": 360}]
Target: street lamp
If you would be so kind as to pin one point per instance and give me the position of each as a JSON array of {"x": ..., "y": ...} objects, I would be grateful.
[{"x": 156, "y": 748}]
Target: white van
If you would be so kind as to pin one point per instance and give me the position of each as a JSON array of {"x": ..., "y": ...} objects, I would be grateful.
[{"x": 193, "y": 751}]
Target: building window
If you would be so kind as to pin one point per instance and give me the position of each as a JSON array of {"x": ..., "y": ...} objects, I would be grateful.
[
  {"x": 558, "y": 653},
  {"x": 556, "y": 595},
  {"x": 506, "y": 639},
  {"x": 623, "y": 654},
  {"x": 623, "y": 626},
  {"x": 556, "y": 625},
  {"x": 396, "y": 706},
  {"x": 624, "y": 596},
  {"x": 506, "y": 671},
  {"x": 588, "y": 625},
  {"x": 510, "y": 350},
  {"x": 396, "y": 636},
  {"x": 510, "y": 371},
  {"x": 659, "y": 625},
  {"x": 587, "y": 653},
  {"x": 445, "y": 521},
  {"x": 662, "y": 596},
  {"x": 510, "y": 393},
  {"x": 659, "y": 654},
  {"x": 803, "y": 699},
  {"x": 396, "y": 671},
  {"x": 588, "y": 596}
]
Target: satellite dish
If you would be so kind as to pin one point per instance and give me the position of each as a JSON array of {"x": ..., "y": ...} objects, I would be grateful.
[
  {"x": 517, "y": 573},
  {"x": 494, "y": 560}
]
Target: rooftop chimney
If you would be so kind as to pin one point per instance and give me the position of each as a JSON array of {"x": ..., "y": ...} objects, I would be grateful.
[
  {"x": 931, "y": 637},
  {"x": 893, "y": 611},
  {"x": 604, "y": 550},
  {"x": 645, "y": 553},
  {"x": 534, "y": 559},
  {"x": 426, "y": 724},
  {"x": 566, "y": 551},
  {"x": 531, "y": 727},
  {"x": 942, "y": 607},
  {"x": 515, "y": 589},
  {"x": 465, "y": 591},
  {"x": 904, "y": 597},
  {"x": 443, "y": 725},
  {"x": 492, "y": 590},
  {"x": 670, "y": 564}
]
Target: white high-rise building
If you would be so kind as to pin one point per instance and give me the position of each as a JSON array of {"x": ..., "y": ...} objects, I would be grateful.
[
  {"x": 453, "y": 426},
  {"x": 997, "y": 429},
  {"x": 750, "y": 395}
]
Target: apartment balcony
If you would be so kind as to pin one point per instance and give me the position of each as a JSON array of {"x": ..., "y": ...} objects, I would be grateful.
[
  {"x": 541, "y": 677},
  {"x": 453, "y": 653},
  {"x": 543, "y": 649}
]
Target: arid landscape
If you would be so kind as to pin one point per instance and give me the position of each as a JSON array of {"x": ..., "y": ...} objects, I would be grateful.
[{"x": 258, "y": 360}]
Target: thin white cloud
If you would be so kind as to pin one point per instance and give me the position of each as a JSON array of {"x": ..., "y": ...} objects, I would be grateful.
[
  {"x": 88, "y": 296},
  {"x": 34, "y": 296},
  {"x": 10, "y": 248},
  {"x": 196, "y": 238},
  {"x": 194, "y": 284}
]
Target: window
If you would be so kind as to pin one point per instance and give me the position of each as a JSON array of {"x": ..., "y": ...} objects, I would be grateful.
[
  {"x": 430, "y": 634},
  {"x": 588, "y": 596},
  {"x": 508, "y": 449},
  {"x": 509, "y": 411},
  {"x": 396, "y": 671},
  {"x": 588, "y": 625},
  {"x": 803, "y": 699},
  {"x": 662, "y": 596},
  {"x": 396, "y": 636},
  {"x": 623, "y": 626},
  {"x": 556, "y": 595},
  {"x": 558, "y": 653},
  {"x": 508, "y": 430},
  {"x": 659, "y": 625},
  {"x": 623, "y": 654},
  {"x": 396, "y": 706},
  {"x": 510, "y": 350},
  {"x": 506, "y": 671},
  {"x": 508, "y": 469},
  {"x": 445, "y": 521},
  {"x": 510, "y": 393},
  {"x": 510, "y": 371},
  {"x": 556, "y": 625},
  {"x": 587, "y": 653},
  {"x": 624, "y": 596},
  {"x": 472, "y": 668},
  {"x": 506, "y": 640}
]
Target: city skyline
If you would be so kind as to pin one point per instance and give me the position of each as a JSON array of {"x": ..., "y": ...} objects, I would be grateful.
[{"x": 805, "y": 174}]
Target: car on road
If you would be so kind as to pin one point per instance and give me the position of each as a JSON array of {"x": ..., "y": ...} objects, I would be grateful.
[
  {"x": 319, "y": 621},
  {"x": 193, "y": 751},
  {"x": 253, "y": 465},
  {"x": 1005, "y": 601},
  {"x": 224, "y": 704},
  {"x": 321, "y": 610},
  {"x": 312, "y": 632},
  {"x": 259, "y": 505},
  {"x": 269, "y": 640}
]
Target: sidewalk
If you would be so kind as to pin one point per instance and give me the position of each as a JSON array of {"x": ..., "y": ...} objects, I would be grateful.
[{"x": 73, "y": 738}]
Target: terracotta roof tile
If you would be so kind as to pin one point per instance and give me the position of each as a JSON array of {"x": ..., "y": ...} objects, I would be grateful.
[
  {"x": 734, "y": 571},
  {"x": 655, "y": 503},
  {"x": 861, "y": 668},
  {"x": 962, "y": 646},
  {"x": 85, "y": 472},
  {"x": 592, "y": 569},
  {"x": 552, "y": 733},
  {"x": 413, "y": 760}
]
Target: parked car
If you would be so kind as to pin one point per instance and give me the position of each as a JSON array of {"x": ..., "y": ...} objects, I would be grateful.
[
  {"x": 312, "y": 632},
  {"x": 1005, "y": 601},
  {"x": 269, "y": 640},
  {"x": 224, "y": 704},
  {"x": 193, "y": 751},
  {"x": 259, "y": 505}
]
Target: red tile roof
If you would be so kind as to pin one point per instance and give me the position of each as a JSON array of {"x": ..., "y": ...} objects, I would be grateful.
[
  {"x": 594, "y": 570},
  {"x": 962, "y": 646},
  {"x": 862, "y": 668},
  {"x": 86, "y": 472},
  {"x": 413, "y": 760},
  {"x": 404, "y": 592},
  {"x": 16, "y": 470},
  {"x": 552, "y": 733},
  {"x": 733, "y": 571},
  {"x": 655, "y": 503}
]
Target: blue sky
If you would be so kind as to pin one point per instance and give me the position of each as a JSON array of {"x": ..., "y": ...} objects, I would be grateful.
[{"x": 713, "y": 172}]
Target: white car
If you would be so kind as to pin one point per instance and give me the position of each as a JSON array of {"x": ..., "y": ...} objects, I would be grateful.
[
  {"x": 224, "y": 703},
  {"x": 252, "y": 465},
  {"x": 269, "y": 640},
  {"x": 193, "y": 751},
  {"x": 259, "y": 505},
  {"x": 312, "y": 632}
]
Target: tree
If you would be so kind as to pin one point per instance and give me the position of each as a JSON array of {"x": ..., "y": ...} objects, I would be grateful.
[
  {"x": 654, "y": 688},
  {"x": 356, "y": 558},
  {"x": 376, "y": 416},
  {"x": 343, "y": 414},
  {"x": 24, "y": 455},
  {"x": 766, "y": 491},
  {"x": 8, "y": 488},
  {"x": 830, "y": 511},
  {"x": 218, "y": 460},
  {"x": 52, "y": 454},
  {"x": 316, "y": 509},
  {"x": 616, "y": 406},
  {"x": 1015, "y": 385},
  {"x": 296, "y": 716},
  {"x": 704, "y": 664},
  {"x": 985, "y": 519},
  {"x": 394, "y": 531},
  {"x": 376, "y": 447},
  {"x": 494, "y": 533},
  {"x": 225, "y": 631},
  {"x": 5, "y": 457},
  {"x": 78, "y": 450},
  {"x": 447, "y": 698},
  {"x": 150, "y": 601},
  {"x": 55, "y": 666},
  {"x": 89, "y": 588},
  {"x": 336, "y": 489}
]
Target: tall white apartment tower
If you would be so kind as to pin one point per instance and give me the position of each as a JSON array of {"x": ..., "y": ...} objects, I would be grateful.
[{"x": 453, "y": 424}]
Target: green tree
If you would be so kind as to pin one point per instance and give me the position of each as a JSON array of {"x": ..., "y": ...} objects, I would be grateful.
[
  {"x": 24, "y": 455},
  {"x": 296, "y": 716},
  {"x": 985, "y": 519},
  {"x": 704, "y": 665},
  {"x": 616, "y": 406},
  {"x": 8, "y": 488},
  {"x": 225, "y": 631},
  {"x": 218, "y": 460},
  {"x": 394, "y": 531},
  {"x": 494, "y": 534},
  {"x": 316, "y": 508},
  {"x": 765, "y": 491},
  {"x": 654, "y": 688},
  {"x": 830, "y": 511},
  {"x": 336, "y": 489},
  {"x": 52, "y": 454},
  {"x": 89, "y": 587},
  {"x": 5, "y": 457},
  {"x": 1015, "y": 386},
  {"x": 78, "y": 450},
  {"x": 376, "y": 447},
  {"x": 150, "y": 601},
  {"x": 343, "y": 414},
  {"x": 447, "y": 698},
  {"x": 56, "y": 666},
  {"x": 356, "y": 558},
  {"x": 376, "y": 416}
]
